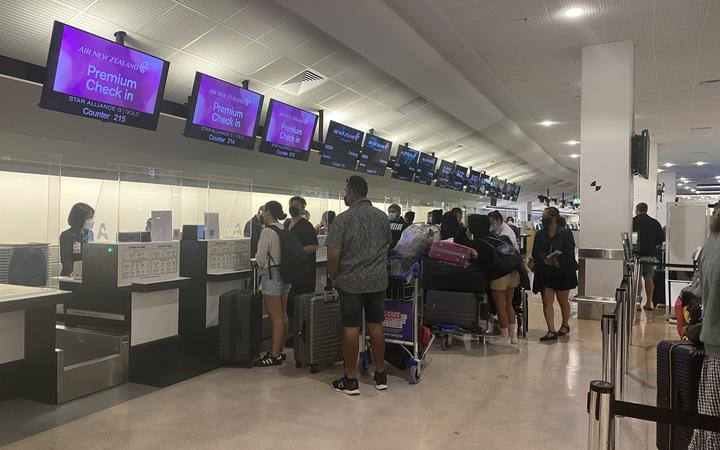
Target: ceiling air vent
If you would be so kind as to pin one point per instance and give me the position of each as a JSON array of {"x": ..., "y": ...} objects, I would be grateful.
[
  {"x": 412, "y": 105},
  {"x": 303, "y": 82},
  {"x": 709, "y": 82},
  {"x": 701, "y": 128}
]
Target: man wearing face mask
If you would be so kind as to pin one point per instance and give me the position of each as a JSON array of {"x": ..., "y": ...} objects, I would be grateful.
[
  {"x": 305, "y": 232},
  {"x": 357, "y": 244},
  {"x": 499, "y": 227},
  {"x": 72, "y": 240},
  {"x": 397, "y": 224}
]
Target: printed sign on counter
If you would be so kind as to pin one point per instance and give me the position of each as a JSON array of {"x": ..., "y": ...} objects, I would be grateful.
[
  {"x": 231, "y": 255},
  {"x": 149, "y": 261},
  {"x": 398, "y": 320}
]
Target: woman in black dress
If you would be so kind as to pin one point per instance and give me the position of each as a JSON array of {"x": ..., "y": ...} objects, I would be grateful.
[
  {"x": 555, "y": 270},
  {"x": 305, "y": 232},
  {"x": 80, "y": 220}
]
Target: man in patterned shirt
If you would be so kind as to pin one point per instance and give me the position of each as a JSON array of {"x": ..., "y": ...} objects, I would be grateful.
[{"x": 358, "y": 243}]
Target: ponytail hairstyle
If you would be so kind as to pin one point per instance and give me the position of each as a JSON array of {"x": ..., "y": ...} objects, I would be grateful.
[{"x": 275, "y": 209}]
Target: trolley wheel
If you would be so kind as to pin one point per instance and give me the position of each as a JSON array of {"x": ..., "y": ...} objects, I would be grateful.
[
  {"x": 446, "y": 342},
  {"x": 298, "y": 364},
  {"x": 313, "y": 368},
  {"x": 415, "y": 373}
]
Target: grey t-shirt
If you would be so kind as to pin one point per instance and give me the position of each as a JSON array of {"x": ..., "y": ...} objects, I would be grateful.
[
  {"x": 710, "y": 277},
  {"x": 362, "y": 233}
]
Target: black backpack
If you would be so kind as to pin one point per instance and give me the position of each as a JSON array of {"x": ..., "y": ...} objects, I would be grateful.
[
  {"x": 505, "y": 256},
  {"x": 294, "y": 263},
  {"x": 28, "y": 267}
]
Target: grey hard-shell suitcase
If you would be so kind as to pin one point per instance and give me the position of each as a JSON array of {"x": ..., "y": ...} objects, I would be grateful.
[{"x": 317, "y": 329}]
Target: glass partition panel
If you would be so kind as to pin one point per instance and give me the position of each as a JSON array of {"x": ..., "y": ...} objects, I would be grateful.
[
  {"x": 232, "y": 200},
  {"x": 29, "y": 236},
  {"x": 149, "y": 200}
]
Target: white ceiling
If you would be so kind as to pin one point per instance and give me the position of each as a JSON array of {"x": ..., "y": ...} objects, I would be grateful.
[
  {"x": 266, "y": 43},
  {"x": 525, "y": 56}
]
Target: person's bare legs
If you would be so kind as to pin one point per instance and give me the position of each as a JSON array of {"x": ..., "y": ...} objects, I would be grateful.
[
  {"x": 509, "y": 309},
  {"x": 563, "y": 298},
  {"x": 273, "y": 305},
  {"x": 377, "y": 345},
  {"x": 649, "y": 291},
  {"x": 548, "y": 298},
  {"x": 285, "y": 320},
  {"x": 350, "y": 350},
  {"x": 499, "y": 300}
]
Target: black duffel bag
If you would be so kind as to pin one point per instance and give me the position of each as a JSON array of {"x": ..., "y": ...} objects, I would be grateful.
[{"x": 440, "y": 276}]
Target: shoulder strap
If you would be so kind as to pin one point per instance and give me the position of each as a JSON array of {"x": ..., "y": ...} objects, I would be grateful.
[{"x": 279, "y": 235}]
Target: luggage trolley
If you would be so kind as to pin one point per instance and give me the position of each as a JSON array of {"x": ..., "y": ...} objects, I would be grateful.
[{"x": 403, "y": 318}]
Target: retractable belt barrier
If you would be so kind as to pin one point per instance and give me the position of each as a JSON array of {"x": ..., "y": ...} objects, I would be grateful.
[{"x": 602, "y": 408}]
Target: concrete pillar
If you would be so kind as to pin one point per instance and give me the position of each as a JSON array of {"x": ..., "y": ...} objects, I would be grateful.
[
  {"x": 606, "y": 186},
  {"x": 646, "y": 190},
  {"x": 671, "y": 190}
]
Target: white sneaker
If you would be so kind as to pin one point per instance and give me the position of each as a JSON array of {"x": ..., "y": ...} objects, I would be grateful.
[
  {"x": 513, "y": 334},
  {"x": 500, "y": 341}
]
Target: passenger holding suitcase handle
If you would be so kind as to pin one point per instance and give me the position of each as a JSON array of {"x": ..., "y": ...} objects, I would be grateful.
[{"x": 358, "y": 243}]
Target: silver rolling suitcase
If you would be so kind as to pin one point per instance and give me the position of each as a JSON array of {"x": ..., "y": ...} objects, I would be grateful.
[{"x": 317, "y": 329}]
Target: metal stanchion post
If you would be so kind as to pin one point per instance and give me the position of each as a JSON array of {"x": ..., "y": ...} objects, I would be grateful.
[
  {"x": 621, "y": 339},
  {"x": 629, "y": 308},
  {"x": 601, "y": 422},
  {"x": 609, "y": 347}
]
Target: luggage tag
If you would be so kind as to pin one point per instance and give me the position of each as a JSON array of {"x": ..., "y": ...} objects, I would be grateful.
[{"x": 77, "y": 248}]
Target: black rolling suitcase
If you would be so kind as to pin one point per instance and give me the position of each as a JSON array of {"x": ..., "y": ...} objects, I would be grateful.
[
  {"x": 462, "y": 309},
  {"x": 317, "y": 329},
  {"x": 520, "y": 303},
  {"x": 240, "y": 327},
  {"x": 441, "y": 276},
  {"x": 679, "y": 365}
]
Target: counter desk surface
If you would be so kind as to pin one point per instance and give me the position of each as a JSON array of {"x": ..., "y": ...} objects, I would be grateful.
[{"x": 18, "y": 298}]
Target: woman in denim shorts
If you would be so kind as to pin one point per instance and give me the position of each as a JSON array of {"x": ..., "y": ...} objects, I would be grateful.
[{"x": 275, "y": 290}]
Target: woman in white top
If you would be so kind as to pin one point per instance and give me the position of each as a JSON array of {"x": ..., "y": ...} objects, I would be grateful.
[{"x": 275, "y": 290}]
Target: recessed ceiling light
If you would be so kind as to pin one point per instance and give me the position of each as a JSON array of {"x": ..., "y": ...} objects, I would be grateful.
[
  {"x": 547, "y": 123},
  {"x": 700, "y": 163},
  {"x": 717, "y": 177},
  {"x": 668, "y": 164},
  {"x": 572, "y": 142},
  {"x": 574, "y": 12},
  {"x": 679, "y": 184},
  {"x": 661, "y": 170},
  {"x": 574, "y": 155},
  {"x": 683, "y": 179},
  {"x": 693, "y": 190}
]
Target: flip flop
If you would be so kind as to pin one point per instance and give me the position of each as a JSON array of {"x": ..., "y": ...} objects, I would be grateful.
[
  {"x": 563, "y": 331},
  {"x": 646, "y": 308}
]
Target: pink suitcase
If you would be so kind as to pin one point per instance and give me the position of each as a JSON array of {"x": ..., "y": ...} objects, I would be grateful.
[{"x": 451, "y": 253}]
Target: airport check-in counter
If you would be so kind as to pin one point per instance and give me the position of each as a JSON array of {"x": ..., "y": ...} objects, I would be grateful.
[
  {"x": 132, "y": 289},
  {"x": 27, "y": 342},
  {"x": 215, "y": 267}
]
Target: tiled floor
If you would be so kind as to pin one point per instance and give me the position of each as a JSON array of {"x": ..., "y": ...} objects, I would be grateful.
[{"x": 486, "y": 398}]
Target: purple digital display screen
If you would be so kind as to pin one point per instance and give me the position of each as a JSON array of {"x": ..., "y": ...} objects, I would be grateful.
[
  {"x": 223, "y": 112},
  {"x": 97, "y": 78},
  {"x": 288, "y": 131}
]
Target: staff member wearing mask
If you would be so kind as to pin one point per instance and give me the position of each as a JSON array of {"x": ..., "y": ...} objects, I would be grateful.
[
  {"x": 305, "y": 232},
  {"x": 81, "y": 223},
  {"x": 397, "y": 224}
]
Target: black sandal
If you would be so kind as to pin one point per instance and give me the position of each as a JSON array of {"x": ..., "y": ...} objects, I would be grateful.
[
  {"x": 564, "y": 330},
  {"x": 550, "y": 336}
]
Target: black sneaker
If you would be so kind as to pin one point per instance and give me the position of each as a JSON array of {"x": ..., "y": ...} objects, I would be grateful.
[
  {"x": 346, "y": 385},
  {"x": 268, "y": 360},
  {"x": 380, "y": 381}
]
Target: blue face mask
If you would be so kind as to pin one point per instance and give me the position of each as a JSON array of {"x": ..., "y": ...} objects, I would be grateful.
[{"x": 392, "y": 216}]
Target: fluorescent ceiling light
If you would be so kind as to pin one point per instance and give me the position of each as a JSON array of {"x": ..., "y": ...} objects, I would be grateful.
[
  {"x": 660, "y": 170},
  {"x": 683, "y": 179},
  {"x": 668, "y": 164},
  {"x": 572, "y": 142},
  {"x": 574, "y": 155},
  {"x": 547, "y": 123},
  {"x": 700, "y": 163},
  {"x": 574, "y": 12},
  {"x": 679, "y": 184}
]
